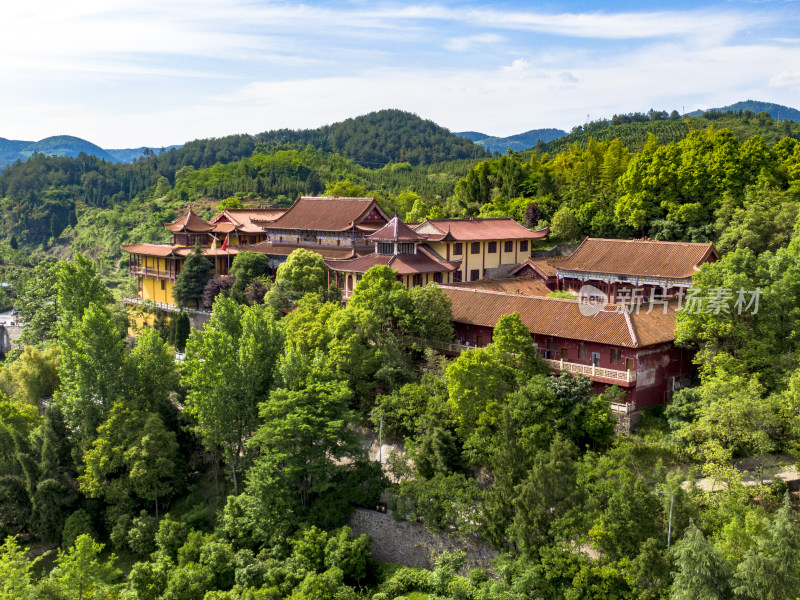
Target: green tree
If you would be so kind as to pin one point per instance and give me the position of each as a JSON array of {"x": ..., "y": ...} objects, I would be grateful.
[
  {"x": 91, "y": 370},
  {"x": 16, "y": 571},
  {"x": 228, "y": 371},
  {"x": 312, "y": 464},
  {"x": 565, "y": 226},
  {"x": 701, "y": 573},
  {"x": 428, "y": 316},
  {"x": 548, "y": 492},
  {"x": 37, "y": 306},
  {"x": 80, "y": 573},
  {"x": 191, "y": 281},
  {"x": 770, "y": 570},
  {"x": 133, "y": 456},
  {"x": 247, "y": 267},
  {"x": 33, "y": 376},
  {"x": 345, "y": 189},
  {"x": 150, "y": 372},
  {"x": 79, "y": 285},
  {"x": 381, "y": 295},
  {"x": 304, "y": 271},
  {"x": 152, "y": 461}
]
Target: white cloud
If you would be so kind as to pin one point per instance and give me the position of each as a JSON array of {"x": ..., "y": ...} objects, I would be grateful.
[
  {"x": 789, "y": 79},
  {"x": 465, "y": 44},
  {"x": 157, "y": 72}
]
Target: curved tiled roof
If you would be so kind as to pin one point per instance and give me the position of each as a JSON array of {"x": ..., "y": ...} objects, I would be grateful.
[
  {"x": 327, "y": 252},
  {"x": 149, "y": 249},
  {"x": 395, "y": 231},
  {"x": 643, "y": 258},
  {"x": 555, "y": 317},
  {"x": 477, "y": 229},
  {"x": 548, "y": 267},
  {"x": 189, "y": 221},
  {"x": 246, "y": 220},
  {"x": 424, "y": 261},
  {"x": 518, "y": 286},
  {"x": 328, "y": 213}
]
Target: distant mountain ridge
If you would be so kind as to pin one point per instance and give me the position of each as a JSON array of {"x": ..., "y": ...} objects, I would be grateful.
[
  {"x": 66, "y": 145},
  {"x": 778, "y": 112},
  {"x": 520, "y": 141}
]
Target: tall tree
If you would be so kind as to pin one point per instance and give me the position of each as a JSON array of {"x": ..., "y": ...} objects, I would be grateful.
[
  {"x": 91, "y": 371},
  {"x": 192, "y": 280},
  {"x": 228, "y": 371},
  {"x": 701, "y": 573},
  {"x": 81, "y": 573},
  {"x": 37, "y": 306},
  {"x": 549, "y": 491},
  {"x": 770, "y": 570}
]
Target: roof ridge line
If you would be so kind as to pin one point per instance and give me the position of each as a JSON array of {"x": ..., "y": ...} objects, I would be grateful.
[{"x": 631, "y": 330}]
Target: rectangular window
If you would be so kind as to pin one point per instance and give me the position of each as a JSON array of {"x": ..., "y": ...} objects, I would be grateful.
[
  {"x": 458, "y": 248},
  {"x": 474, "y": 274},
  {"x": 492, "y": 248},
  {"x": 583, "y": 352},
  {"x": 523, "y": 246},
  {"x": 616, "y": 356},
  {"x": 508, "y": 246},
  {"x": 475, "y": 248},
  {"x": 163, "y": 285},
  {"x": 359, "y": 276},
  {"x": 437, "y": 278},
  {"x": 385, "y": 248},
  {"x": 457, "y": 277},
  {"x": 417, "y": 279}
]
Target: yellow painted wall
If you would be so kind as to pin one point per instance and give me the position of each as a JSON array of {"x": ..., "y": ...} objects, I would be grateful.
[
  {"x": 151, "y": 289},
  {"x": 482, "y": 260}
]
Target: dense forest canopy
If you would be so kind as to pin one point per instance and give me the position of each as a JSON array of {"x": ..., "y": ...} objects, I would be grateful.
[{"x": 231, "y": 475}]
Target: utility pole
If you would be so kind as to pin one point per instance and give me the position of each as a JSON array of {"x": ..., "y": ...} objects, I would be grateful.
[{"x": 669, "y": 526}]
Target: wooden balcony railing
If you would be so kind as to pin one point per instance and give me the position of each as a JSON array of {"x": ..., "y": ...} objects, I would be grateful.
[
  {"x": 153, "y": 272},
  {"x": 591, "y": 371}
]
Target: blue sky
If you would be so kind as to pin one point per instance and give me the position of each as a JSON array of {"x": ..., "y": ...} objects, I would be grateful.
[{"x": 126, "y": 73}]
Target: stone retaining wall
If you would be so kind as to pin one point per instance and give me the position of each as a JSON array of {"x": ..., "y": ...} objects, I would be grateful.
[{"x": 412, "y": 545}]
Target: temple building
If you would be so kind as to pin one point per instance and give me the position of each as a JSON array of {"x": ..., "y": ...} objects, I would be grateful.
[
  {"x": 623, "y": 269},
  {"x": 334, "y": 227},
  {"x": 610, "y": 346},
  {"x": 351, "y": 234},
  {"x": 487, "y": 248},
  {"x": 398, "y": 246}
]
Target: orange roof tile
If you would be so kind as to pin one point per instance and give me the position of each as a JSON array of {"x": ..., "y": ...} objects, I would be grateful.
[
  {"x": 395, "y": 231},
  {"x": 424, "y": 261},
  {"x": 329, "y": 213},
  {"x": 477, "y": 229},
  {"x": 562, "y": 318},
  {"x": 150, "y": 249},
  {"x": 518, "y": 286},
  {"x": 644, "y": 258},
  {"x": 546, "y": 266},
  {"x": 327, "y": 252},
  {"x": 232, "y": 251},
  {"x": 246, "y": 220},
  {"x": 189, "y": 221}
]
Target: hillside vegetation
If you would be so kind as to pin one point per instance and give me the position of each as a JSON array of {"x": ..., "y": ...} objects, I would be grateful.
[{"x": 633, "y": 130}]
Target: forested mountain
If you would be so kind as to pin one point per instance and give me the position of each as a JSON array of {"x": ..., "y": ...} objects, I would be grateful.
[
  {"x": 66, "y": 145},
  {"x": 633, "y": 129},
  {"x": 776, "y": 111},
  {"x": 231, "y": 475},
  {"x": 520, "y": 141}
]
